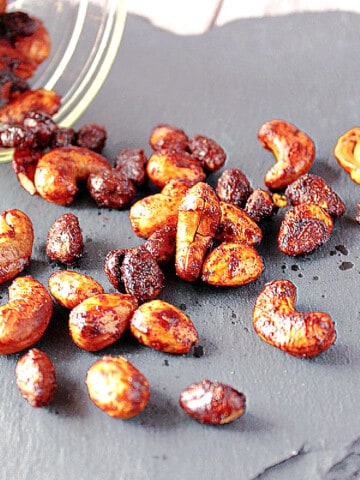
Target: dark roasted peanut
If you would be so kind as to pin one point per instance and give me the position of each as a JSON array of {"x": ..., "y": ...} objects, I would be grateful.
[
  {"x": 277, "y": 322},
  {"x": 259, "y": 205},
  {"x": 213, "y": 403},
  {"x": 70, "y": 288},
  {"x": 112, "y": 267},
  {"x": 92, "y": 136},
  {"x": 160, "y": 325},
  {"x": 101, "y": 320},
  {"x": 65, "y": 241},
  {"x": 63, "y": 137},
  {"x": 233, "y": 187},
  {"x": 209, "y": 153},
  {"x": 36, "y": 378},
  {"x": 168, "y": 137},
  {"x": 293, "y": 149},
  {"x": 117, "y": 387},
  {"x": 198, "y": 221},
  {"x": 236, "y": 226},
  {"x": 232, "y": 265},
  {"x": 304, "y": 228},
  {"x": 131, "y": 162},
  {"x": 111, "y": 188},
  {"x": 161, "y": 244},
  {"x": 347, "y": 153}
]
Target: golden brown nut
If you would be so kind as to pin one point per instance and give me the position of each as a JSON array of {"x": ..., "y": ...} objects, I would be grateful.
[
  {"x": 293, "y": 149},
  {"x": 236, "y": 226},
  {"x": 168, "y": 137},
  {"x": 213, "y": 403},
  {"x": 36, "y": 378},
  {"x": 277, "y": 322},
  {"x": 198, "y": 220},
  {"x": 59, "y": 170},
  {"x": 35, "y": 47},
  {"x": 70, "y": 288},
  {"x": 16, "y": 243},
  {"x": 25, "y": 317},
  {"x": 232, "y": 265},
  {"x": 161, "y": 244},
  {"x": 304, "y": 228},
  {"x": 100, "y": 321},
  {"x": 347, "y": 153},
  {"x": 177, "y": 187},
  {"x": 117, "y": 387},
  {"x": 64, "y": 240},
  {"x": 160, "y": 325},
  {"x": 15, "y": 64}
]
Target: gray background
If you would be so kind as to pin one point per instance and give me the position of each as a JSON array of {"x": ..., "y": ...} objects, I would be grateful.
[{"x": 302, "y": 418}]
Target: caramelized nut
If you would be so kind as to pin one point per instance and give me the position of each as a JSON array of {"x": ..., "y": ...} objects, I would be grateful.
[
  {"x": 117, "y": 387},
  {"x": 168, "y": 137},
  {"x": 36, "y": 378},
  {"x": 213, "y": 402},
  {"x": 347, "y": 153},
  {"x": 111, "y": 188},
  {"x": 161, "y": 244},
  {"x": 112, "y": 267},
  {"x": 131, "y": 162},
  {"x": 92, "y": 136},
  {"x": 177, "y": 187},
  {"x": 209, "y": 153},
  {"x": 236, "y": 226},
  {"x": 293, "y": 149},
  {"x": 233, "y": 187},
  {"x": 65, "y": 241},
  {"x": 36, "y": 47},
  {"x": 162, "y": 326},
  {"x": 24, "y": 165},
  {"x": 277, "y": 322},
  {"x": 259, "y": 205}
]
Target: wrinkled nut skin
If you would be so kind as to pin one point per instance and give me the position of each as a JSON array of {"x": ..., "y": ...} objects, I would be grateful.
[
  {"x": 92, "y": 136},
  {"x": 24, "y": 319},
  {"x": 347, "y": 153},
  {"x": 277, "y": 322},
  {"x": 16, "y": 243},
  {"x": 58, "y": 171},
  {"x": 198, "y": 220},
  {"x": 293, "y": 149},
  {"x": 233, "y": 187},
  {"x": 131, "y": 162},
  {"x": 212, "y": 403},
  {"x": 304, "y": 228},
  {"x": 236, "y": 226},
  {"x": 36, "y": 378},
  {"x": 64, "y": 240},
  {"x": 117, "y": 387},
  {"x": 161, "y": 326},
  {"x": 69, "y": 288},
  {"x": 112, "y": 268},
  {"x": 35, "y": 47},
  {"x": 161, "y": 244},
  {"x": 208, "y": 152},
  {"x": 310, "y": 188},
  {"x": 168, "y": 137},
  {"x": 232, "y": 265},
  {"x": 111, "y": 189},
  {"x": 259, "y": 205},
  {"x": 101, "y": 320}
]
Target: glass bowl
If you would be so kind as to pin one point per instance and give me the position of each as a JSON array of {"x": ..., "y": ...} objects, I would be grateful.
[{"x": 85, "y": 37}]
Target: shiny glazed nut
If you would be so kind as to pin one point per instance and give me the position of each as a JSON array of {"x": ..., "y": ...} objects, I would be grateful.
[
  {"x": 100, "y": 321},
  {"x": 304, "y": 228},
  {"x": 36, "y": 47},
  {"x": 310, "y": 188},
  {"x": 112, "y": 268},
  {"x": 208, "y": 152},
  {"x": 117, "y": 387},
  {"x": 277, "y": 322},
  {"x": 58, "y": 171},
  {"x": 213, "y": 403},
  {"x": 36, "y": 378},
  {"x": 70, "y": 288},
  {"x": 161, "y": 326},
  {"x": 92, "y": 136},
  {"x": 24, "y": 165},
  {"x": 64, "y": 240},
  {"x": 16, "y": 243},
  {"x": 293, "y": 149},
  {"x": 198, "y": 221},
  {"x": 168, "y": 137},
  {"x": 347, "y": 153},
  {"x": 232, "y": 265},
  {"x": 236, "y": 226},
  {"x": 161, "y": 244},
  {"x": 259, "y": 205},
  {"x": 24, "y": 319},
  {"x": 111, "y": 188},
  {"x": 131, "y": 162},
  {"x": 177, "y": 187},
  {"x": 233, "y": 187}
]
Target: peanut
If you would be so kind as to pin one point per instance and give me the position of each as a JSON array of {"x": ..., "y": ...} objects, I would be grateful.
[{"x": 64, "y": 240}]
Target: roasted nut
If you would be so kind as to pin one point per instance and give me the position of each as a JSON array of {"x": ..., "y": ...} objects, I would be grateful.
[
  {"x": 232, "y": 265},
  {"x": 92, "y": 136},
  {"x": 131, "y": 162},
  {"x": 64, "y": 240},
  {"x": 213, "y": 402},
  {"x": 16, "y": 243},
  {"x": 259, "y": 205},
  {"x": 13, "y": 61},
  {"x": 36, "y": 378},
  {"x": 168, "y": 165},
  {"x": 347, "y": 153},
  {"x": 112, "y": 268},
  {"x": 117, "y": 387},
  {"x": 236, "y": 226},
  {"x": 101, "y": 320},
  {"x": 161, "y": 326},
  {"x": 177, "y": 187},
  {"x": 293, "y": 149},
  {"x": 168, "y": 137},
  {"x": 26, "y": 316},
  {"x": 36, "y": 47},
  {"x": 304, "y": 228},
  {"x": 209, "y": 153},
  {"x": 198, "y": 220},
  {"x": 233, "y": 187},
  {"x": 24, "y": 165},
  {"x": 111, "y": 188},
  {"x": 63, "y": 137},
  {"x": 277, "y": 322},
  {"x": 161, "y": 244},
  {"x": 310, "y": 188},
  {"x": 58, "y": 171},
  {"x": 70, "y": 288}
]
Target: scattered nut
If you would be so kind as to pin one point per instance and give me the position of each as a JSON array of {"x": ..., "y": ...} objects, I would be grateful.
[
  {"x": 236, "y": 226},
  {"x": 347, "y": 153},
  {"x": 259, "y": 205},
  {"x": 111, "y": 188},
  {"x": 209, "y": 153},
  {"x": 161, "y": 244},
  {"x": 92, "y": 136},
  {"x": 117, "y": 387},
  {"x": 112, "y": 268},
  {"x": 168, "y": 137},
  {"x": 64, "y": 240},
  {"x": 131, "y": 162},
  {"x": 233, "y": 187}
]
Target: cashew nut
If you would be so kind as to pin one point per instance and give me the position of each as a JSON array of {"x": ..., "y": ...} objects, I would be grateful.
[
  {"x": 24, "y": 319},
  {"x": 293, "y": 149},
  {"x": 16, "y": 242},
  {"x": 58, "y": 171},
  {"x": 277, "y": 322},
  {"x": 347, "y": 153}
]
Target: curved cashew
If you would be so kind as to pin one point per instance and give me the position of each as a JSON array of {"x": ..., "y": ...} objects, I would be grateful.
[
  {"x": 24, "y": 319},
  {"x": 277, "y": 322},
  {"x": 58, "y": 171},
  {"x": 347, "y": 153},
  {"x": 293, "y": 149},
  {"x": 16, "y": 242}
]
